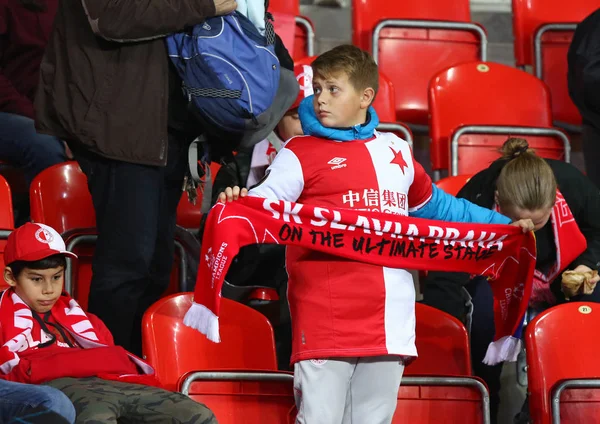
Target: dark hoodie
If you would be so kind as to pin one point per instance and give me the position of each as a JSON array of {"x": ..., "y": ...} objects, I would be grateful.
[
  {"x": 584, "y": 69},
  {"x": 443, "y": 289},
  {"x": 25, "y": 27}
]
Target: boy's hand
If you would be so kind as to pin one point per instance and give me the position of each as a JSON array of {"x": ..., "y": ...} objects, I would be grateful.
[
  {"x": 232, "y": 193},
  {"x": 525, "y": 224}
]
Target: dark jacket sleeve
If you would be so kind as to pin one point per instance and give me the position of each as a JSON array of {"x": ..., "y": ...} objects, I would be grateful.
[
  {"x": 583, "y": 198},
  {"x": 141, "y": 20},
  {"x": 11, "y": 101}
]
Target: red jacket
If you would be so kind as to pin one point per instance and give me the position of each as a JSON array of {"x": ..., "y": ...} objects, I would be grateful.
[
  {"x": 56, "y": 360},
  {"x": 24, "y": 33}
]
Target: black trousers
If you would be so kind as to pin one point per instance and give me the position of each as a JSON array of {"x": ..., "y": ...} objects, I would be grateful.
[
  {"x": 136, "y": 209},
  {"x": 591, "y": 152}
]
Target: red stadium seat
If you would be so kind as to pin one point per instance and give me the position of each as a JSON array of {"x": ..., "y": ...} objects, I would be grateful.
[
  {"x": 6, "y": 221},
  {"x": 304, "y": 39},
  {"x": 474, "y": 148},
  {"x": 59, "y": 197},
  {"x": 435, "y": 390},
  {"x": 563, "y": 373},
  {"x": 291, "y": 7},
  {"x": 505, "y": 97},
  {"x": 543, "y": 30},
  {"x": 244, "y": 397},
  {"x": 412, "y": 41},
  {"x": 173, "y": 349},
  {"x": 452, "y": 185}
]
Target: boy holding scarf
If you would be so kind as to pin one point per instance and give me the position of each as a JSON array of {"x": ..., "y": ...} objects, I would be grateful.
[{"x": 353, "y": 322}]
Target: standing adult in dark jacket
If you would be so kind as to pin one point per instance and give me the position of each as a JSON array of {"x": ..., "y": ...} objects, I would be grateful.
[
  {"x": 25, "y": 26},
  {"x": 108, "y": 88},
  {"x": 584, "y": 88},
  {"x": 564, "y": 206}
]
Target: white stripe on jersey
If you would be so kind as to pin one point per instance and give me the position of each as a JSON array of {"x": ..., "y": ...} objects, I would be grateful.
[{"x": 399, "y": 285}]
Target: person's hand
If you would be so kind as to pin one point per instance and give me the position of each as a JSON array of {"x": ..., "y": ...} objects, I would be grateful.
[
  {"x": 582, "y": 269},
  {"x": 223, "y": 7},
  {"x": 525, "y": 224},
  {"x": 232, "y": 193}
]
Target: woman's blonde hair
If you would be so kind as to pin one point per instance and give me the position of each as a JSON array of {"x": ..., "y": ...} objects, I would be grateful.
[{"x": 526, "y": 182}]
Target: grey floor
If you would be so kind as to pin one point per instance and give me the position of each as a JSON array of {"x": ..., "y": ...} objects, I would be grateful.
[{"x": 333, "y": 27}]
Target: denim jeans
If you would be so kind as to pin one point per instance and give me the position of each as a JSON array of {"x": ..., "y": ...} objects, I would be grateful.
[
  {"x": 22, "y": 146},
  {"x": 17, "y": 399}
]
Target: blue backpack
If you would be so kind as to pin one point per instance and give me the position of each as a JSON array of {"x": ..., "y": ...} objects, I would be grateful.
[{"x": 233, "y": 80}]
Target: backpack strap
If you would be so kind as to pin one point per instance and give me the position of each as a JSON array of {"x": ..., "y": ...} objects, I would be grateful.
[
  {"x": 275, "y": 141},
  {"x": 204, "y": 181}
]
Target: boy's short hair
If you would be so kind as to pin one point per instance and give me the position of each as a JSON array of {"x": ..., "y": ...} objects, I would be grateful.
[
  {"x": 358, "y": 64},
  {"x": 54, "y": 261}
]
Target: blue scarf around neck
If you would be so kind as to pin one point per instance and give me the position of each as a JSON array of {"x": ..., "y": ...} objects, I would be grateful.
[{"x": 312, "y": 126}]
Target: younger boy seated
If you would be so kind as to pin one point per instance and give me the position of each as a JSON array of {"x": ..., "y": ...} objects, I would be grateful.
[
  {"x": 47, "y": 338},
  {"x": 353, "y": 323}
]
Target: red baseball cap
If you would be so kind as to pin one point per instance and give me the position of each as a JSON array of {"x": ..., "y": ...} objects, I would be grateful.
[
  {"x": 33, "y": 242},
  {"x": 304, "y": 76}
]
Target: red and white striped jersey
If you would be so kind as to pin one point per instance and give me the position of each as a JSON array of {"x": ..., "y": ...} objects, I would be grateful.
[{"x": 342, "y": 308}]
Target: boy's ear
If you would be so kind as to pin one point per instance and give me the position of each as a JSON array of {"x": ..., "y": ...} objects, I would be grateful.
[
  {"x": 367, "y": 98},
  {"x": 9, "y": 277}
]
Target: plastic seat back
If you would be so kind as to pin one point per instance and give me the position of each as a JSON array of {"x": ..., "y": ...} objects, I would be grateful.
[
  {"x": 174, "y": 349},
  {"x": 539, "y": 42},
  {"x": 436, "y": 390},
  {"x": 291, "y": 7},
  {"x": 410, "y": 53},
  {"x": 530, "y": 15},
  {"x": 366, "y": 15},
  {"x": 560, "y": 345},
  {"x": 452, "y": 185},
  {"x": 439, "y": 334},
  {"x": 244, "y": 397},
  {"x": 504, "y": 96},
  {"x": 476, "y": 152},
  {"x": 287, "y": 12},
  {"x": 7, "y": 223},
  {"x": 60, "y": 198}
]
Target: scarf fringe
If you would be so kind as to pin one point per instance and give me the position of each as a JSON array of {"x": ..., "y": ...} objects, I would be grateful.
[
  {"x": 200, "y": 318},
  {"x": 506, "y": 348}
]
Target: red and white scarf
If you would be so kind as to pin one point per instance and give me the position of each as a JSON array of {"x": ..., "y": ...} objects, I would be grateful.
[
  {"x": 14, "y": 311},
  {"x": 501, "y": 252},
  {"x": 569, "y": 242}
]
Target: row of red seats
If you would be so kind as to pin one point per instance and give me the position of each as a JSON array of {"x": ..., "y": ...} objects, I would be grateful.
[
  {"x": 468, "y": 126},
  {"x": 413, "y": 40},
  {"x": 238, "y": 378},
  {"x": 239, "y": 381}
]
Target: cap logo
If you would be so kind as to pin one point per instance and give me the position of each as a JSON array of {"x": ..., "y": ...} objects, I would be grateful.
[
  {"x": 42, "y": 235},
  {"x": 305, "y": 80}
]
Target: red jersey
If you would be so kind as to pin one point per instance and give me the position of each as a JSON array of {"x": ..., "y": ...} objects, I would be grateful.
[{"x": 342, "y": 308}]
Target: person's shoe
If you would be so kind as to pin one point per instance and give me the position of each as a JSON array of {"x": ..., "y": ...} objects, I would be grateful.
[{"x": 523, "y": 417}]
